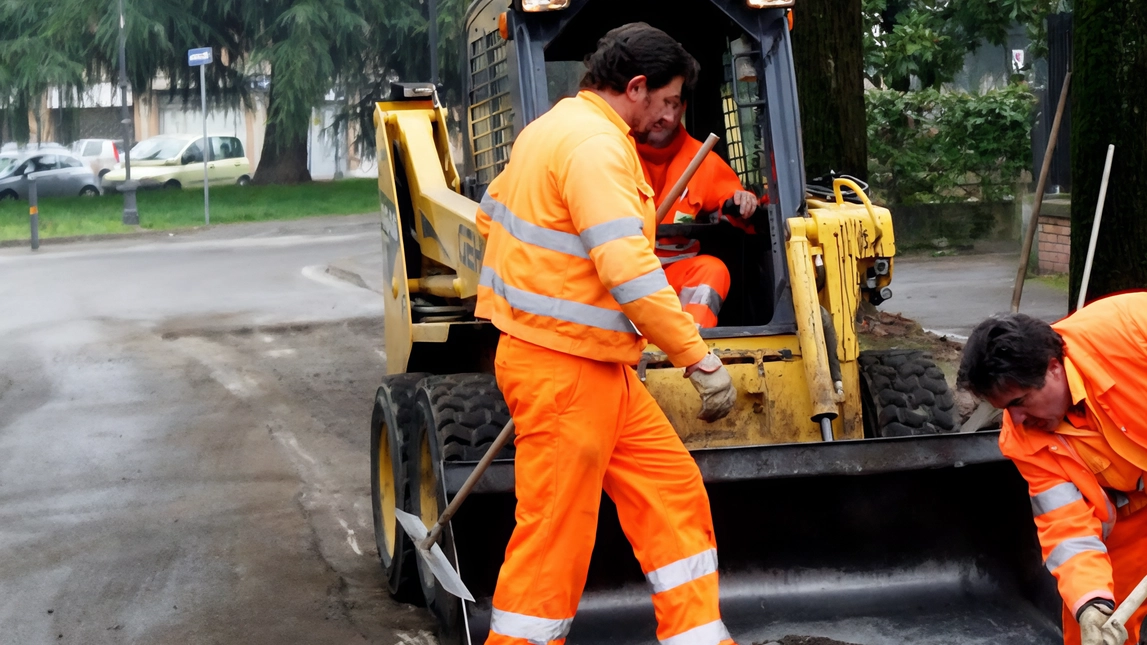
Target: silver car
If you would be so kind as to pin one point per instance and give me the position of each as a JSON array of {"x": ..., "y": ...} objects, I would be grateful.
[{"x": 57, "y": 173}]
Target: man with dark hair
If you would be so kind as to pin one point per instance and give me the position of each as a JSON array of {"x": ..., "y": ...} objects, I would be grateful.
[
  {"x": 701, "y": 281},
  {"x": 1075, "y": 396},
  {"x": 570, "y": 278}
]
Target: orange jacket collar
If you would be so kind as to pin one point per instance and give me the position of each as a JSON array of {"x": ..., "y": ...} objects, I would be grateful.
[{"x": 607, "y": 110}]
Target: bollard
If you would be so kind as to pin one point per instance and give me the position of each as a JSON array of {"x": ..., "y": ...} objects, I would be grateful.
[{"x": 34, "y": 213}]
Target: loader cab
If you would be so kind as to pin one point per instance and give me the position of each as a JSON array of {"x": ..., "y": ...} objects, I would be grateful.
[{"x": 520, "y": 62}]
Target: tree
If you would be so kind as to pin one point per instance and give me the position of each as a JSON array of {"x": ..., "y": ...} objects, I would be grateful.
[
  {"x": 928, "y": 39},
  {"x": 829, "y": 59},
  {"x": 1108, "y": 95}
]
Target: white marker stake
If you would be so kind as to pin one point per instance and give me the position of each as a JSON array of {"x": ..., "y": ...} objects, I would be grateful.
[{"x": 1095, "y": 228}]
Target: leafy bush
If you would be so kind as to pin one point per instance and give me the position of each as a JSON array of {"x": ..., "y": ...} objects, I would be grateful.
[{"x": 931, "y": 146}]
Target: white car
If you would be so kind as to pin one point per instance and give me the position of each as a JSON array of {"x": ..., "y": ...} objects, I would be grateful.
[
  {"x": 101, "y": 155},
  {"x": 57, "y": 173}
]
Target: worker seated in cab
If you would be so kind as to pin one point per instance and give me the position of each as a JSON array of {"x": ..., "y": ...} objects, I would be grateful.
[{"x": 701, "y": 281}]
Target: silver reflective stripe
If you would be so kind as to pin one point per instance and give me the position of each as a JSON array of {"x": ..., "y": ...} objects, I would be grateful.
[
  {"x": 617, "y": 229},
  {"x": 1119, "y": 497},
  {"x": 639, "y": 287},
  {"x": 531, "y": 628},
  {"x": 701, "y": 295},
  {"x": 524, "y": 231},
  {"x": 1054, "y": 498},
  {"x": 686, "y": 256},
  {"x": 1071, "y": 547},
  {"x": 566, "y": 310},
  {"x": 707, "y": 634},
  {"x": 683, "y": 571}
]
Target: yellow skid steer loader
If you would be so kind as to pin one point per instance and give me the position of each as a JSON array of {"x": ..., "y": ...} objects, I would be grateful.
[{"x": 845, "y": 502}]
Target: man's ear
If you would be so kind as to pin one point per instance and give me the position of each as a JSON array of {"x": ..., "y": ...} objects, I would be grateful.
[{"x": 636, "y": 88}]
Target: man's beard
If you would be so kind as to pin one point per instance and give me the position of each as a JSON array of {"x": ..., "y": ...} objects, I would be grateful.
[{"x": 640, "y": 137}]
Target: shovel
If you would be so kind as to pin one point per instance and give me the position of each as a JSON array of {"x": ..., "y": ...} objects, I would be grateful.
[
  {"x": 1130, "y": 604},
  {"x": 424, "y": 541}
]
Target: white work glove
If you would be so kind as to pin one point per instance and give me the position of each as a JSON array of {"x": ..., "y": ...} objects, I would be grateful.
[
  {"x": 714, "y": 385},
  {"x": 1093, "y": 632}
]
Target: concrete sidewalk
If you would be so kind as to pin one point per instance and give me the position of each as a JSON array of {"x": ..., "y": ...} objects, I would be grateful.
[{"x": 947, "y": 295}]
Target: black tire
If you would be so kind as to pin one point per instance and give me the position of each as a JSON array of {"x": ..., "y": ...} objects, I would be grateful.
[
  {"x": 172, "y": 184},
  {"x": 8, "y": 195},
  {"x": 89, "y": 191},
  {"x": 460, "y": 416},
  {"x": 904, "y": 394},
  {"x": 393, "y": 422},
  {"x": 243, "y": 181}
]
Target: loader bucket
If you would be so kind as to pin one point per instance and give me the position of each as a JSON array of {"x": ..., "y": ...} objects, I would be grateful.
[{"x": 856, "y": 548}]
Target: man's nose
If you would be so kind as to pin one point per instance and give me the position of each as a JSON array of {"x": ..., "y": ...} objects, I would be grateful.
[{"x": 1018, "y": 416}]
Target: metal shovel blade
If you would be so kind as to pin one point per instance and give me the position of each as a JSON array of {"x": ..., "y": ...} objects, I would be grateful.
[{"x": 434, "y": 558}]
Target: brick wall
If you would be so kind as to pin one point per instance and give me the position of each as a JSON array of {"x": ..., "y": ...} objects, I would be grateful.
[{"x": 1054, "y": 244}]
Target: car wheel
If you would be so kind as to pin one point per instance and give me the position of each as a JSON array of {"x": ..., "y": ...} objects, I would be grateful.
[
  {"x": 173, "y": 184},
  {"x": 244, "y": 181},
  {"x": 89, "y": 191},
  {"x": 8, "y": 195}
]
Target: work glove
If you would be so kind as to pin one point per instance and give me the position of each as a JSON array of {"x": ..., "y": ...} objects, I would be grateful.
[
  {"x": 714, "y": 385},
  {"x": 1093, "y": 632}
]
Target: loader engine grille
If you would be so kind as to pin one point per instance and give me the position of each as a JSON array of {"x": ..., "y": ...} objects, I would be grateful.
[{"x": 491, "y": 110}]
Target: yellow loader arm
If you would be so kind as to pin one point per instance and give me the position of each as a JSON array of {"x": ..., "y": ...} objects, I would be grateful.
[{"x": 418, "y": 189}]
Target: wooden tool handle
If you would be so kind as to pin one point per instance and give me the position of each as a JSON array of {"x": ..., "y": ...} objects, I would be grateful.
[
  {"x": 679, "y": 187},
  {"x": 1130, "y": 604},
  {"x": 471, "y": 481}
]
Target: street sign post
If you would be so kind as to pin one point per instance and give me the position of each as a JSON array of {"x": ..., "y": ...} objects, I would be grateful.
[{"x": 201, "y": 57}]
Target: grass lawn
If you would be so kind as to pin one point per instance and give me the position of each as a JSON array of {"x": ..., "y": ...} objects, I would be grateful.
[
  {"x": 1058, "y": 281},
  {"x": 166, "y": 209}
]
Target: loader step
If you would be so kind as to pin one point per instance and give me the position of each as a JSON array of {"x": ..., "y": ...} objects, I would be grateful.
[{"x": 862, "y": 457}]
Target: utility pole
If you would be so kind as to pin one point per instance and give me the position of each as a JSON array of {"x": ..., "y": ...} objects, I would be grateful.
[{"x": 130, "y": 213}]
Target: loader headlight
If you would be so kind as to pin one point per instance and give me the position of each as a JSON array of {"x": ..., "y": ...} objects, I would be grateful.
[
  {"x": 769, "y": 4},
  {"x": 532, "y": 6}
]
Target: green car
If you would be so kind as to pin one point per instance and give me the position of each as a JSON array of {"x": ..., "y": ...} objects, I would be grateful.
[{"x": 176, "y": 161}]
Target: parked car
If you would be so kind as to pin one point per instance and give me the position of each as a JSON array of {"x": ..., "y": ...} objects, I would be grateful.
[
  {"x": 100, "y": 154},
  {"x": 57, "y": 173},
  {"x": 176, "y": 161}
]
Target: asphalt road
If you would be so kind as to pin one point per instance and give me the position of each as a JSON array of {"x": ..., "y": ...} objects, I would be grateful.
[
  {"x": 184, "y": 454},
  {"x": 951, "y": 295}
]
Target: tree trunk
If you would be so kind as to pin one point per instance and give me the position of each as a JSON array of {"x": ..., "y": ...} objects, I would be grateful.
[
  {"x": 284, "y": 158},
  {"x": 828, "y": 51},
  {"x": 1108, "y": 97}
]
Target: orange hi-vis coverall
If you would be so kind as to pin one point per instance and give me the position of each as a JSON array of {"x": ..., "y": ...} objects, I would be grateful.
[
  {"x": 569, "y": 264},
  {"x": 701, "y": 281},
  {"x": 1089, "y": 472}
]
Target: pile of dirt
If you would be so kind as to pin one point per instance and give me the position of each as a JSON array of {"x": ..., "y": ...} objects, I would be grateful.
[
  {"x": 883, "y": 330},
  {"x": 805, "y": 640}
]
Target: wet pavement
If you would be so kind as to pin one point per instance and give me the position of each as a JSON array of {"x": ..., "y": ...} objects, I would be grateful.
[
  {"x": 184, "y": 448},
  {"x": 951, "y": 295}
]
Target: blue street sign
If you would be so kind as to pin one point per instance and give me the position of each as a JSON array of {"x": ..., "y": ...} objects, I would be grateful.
[{"x": 200, "y": 56}]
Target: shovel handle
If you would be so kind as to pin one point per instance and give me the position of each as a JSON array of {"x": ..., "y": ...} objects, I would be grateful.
[
  {"x": 1130, "y": 604},
  {"x": 468, "y": 485},
  {"x": 675, "y": 193}
]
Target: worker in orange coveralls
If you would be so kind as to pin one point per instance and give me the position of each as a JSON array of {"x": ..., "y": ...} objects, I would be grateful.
[
  {"x": 1075, "y": 393},
  {"x": 569, "y": 276},
  {"x": 701, "y": 281}
]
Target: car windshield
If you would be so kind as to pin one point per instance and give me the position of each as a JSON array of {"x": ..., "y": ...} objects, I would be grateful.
[{"x": 157, "y": 148}]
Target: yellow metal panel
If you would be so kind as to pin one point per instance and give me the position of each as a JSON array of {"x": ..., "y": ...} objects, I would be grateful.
[
  {"x": 444, "y": 220},
  {"x": 396, "y": 298}
]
